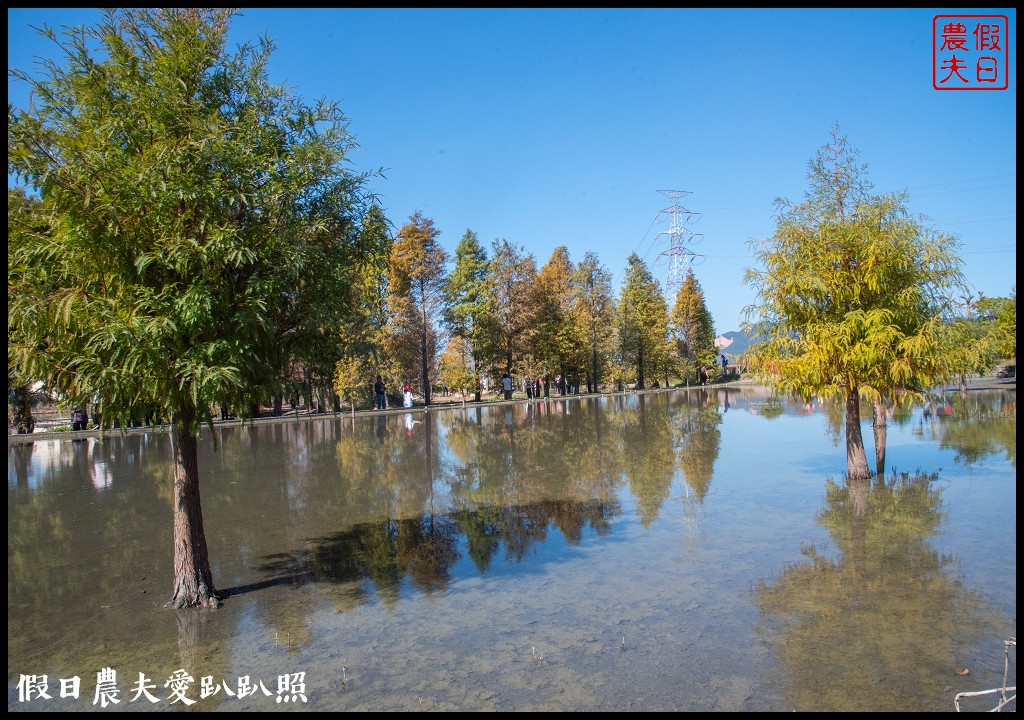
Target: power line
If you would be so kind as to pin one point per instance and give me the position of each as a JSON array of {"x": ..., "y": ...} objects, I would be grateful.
[{"x": 961, "y": 182}]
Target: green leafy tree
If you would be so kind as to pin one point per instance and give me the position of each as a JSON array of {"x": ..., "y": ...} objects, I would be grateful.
[
  {"x": 1006, "y": 320},
  {"x": 363, "y": 328},
  {"x": 558, "y": 346},
  {"x": 513, "y": 276},
  {"x": 457, "y": 368},
  {"x": 418, "y": 266},
  {"x": 350, "y": 379},
  {"x": 1000, "y": 316},
  {"x": 643, "y": 321},
  {"x": 368, "y": 316},
  {"x": 693, "y": 329},
  {"x": 663, "y": 360},
  {"x": 969, "y": 345},
  {"x": 594, "y": 314},
  {"x": 469, "y": 296},
  {"x": 196, "y": 212},
  {"x": 23, "y": 220},
  {"x": 851, "y": 296},
  {"x": 400, "y": 342}
]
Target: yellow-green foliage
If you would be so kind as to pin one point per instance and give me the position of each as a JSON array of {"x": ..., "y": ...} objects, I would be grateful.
[
  {"x": 853, "y": 290},
  {"x": 353, "y": 380},
  {"x": 853, "y": 295}
]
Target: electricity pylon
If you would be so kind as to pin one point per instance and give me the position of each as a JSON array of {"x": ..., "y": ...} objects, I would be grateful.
[{"x": 678, "y": 254}]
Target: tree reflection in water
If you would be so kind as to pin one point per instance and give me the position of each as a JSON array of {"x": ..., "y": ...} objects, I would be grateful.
[{"x": 871, "y": 616}]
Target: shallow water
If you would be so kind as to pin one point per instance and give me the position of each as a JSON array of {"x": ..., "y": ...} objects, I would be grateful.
[{"x": 676, "y": 550}]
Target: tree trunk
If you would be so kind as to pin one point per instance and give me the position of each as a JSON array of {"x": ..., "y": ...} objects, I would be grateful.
[
  {"x": 880, "y": 438},
  {"x": 508, "y": 355},
  {"x": 193, "y": 580},
  {"x": 856, "y": 458},
  {"x": 19, "y": 401},
  {"x": 424, "y": 368},
  {"x": 640, "y": 368}
]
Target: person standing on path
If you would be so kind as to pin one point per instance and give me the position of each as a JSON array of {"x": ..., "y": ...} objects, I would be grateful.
[
  {"x": 380, "y": 393},
  {"x": 506, "y": 384}
]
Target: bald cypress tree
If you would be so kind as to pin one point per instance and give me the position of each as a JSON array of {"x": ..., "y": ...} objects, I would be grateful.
[
  {"x": 643, "y": 321},
  {"x": 594, "y": 314},
  {"x": 853, "y": 295},
  {"x": 692, "y": 326},
  {"x": 200, "y": 223},
  {"x": 468, "y": 314},
  {"x": 557, "y": 344},
  {"x": 515, "y": 306},
  {"x": 418, "y": 276}
]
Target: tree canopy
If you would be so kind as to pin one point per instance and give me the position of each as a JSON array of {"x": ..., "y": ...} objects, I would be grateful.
[
  {"x": 852, "y": 294},
  {"x": 199, "y": 227},
  {"x": 417, "y": 272},
  {"x": 693, "y": 326},
  {"x": 643, "y": 321},
  {"x": 468, "y": 315}
]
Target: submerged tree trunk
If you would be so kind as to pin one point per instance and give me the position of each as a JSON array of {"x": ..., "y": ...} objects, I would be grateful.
[
  {"x": 880, "y": 438},
  {"x": 193, "y": 580},
  {"x": 856, "y": 457}
]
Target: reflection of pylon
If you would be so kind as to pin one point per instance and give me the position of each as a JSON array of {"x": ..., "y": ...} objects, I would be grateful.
[{"x": 678, "y": 254}]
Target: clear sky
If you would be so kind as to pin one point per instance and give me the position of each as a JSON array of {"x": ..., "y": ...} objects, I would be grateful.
[{"x": 552, "y": 127}]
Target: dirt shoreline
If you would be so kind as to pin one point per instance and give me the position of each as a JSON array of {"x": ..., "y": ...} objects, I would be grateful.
[{"x": 983, "y": 382}]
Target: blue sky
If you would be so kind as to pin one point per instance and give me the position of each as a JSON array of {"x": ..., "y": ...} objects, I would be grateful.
[{"x": 552, "y": 127}]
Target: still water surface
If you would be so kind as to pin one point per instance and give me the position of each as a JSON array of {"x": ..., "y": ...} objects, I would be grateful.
[{"x": 677, "y": 550}]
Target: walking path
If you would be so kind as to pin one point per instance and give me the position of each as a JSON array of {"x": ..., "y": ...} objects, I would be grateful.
[{"x": 981, "y": 382}]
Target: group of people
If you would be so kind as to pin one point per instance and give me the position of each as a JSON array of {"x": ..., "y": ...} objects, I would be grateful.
[
  {"x": 534, "y": 386},
  {"x": 704, "y": 375},
  {"x": 380, "y": 394}
]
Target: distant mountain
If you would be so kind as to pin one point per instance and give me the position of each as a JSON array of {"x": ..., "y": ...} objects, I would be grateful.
[{"x": 734, "y": 342}]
